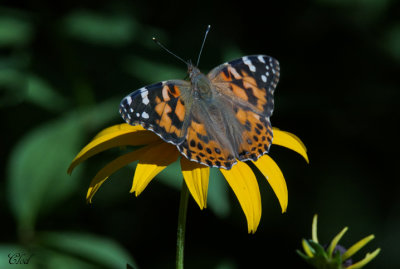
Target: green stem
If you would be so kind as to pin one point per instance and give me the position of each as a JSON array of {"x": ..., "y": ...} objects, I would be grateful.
[{"x": 180, "y": 241}]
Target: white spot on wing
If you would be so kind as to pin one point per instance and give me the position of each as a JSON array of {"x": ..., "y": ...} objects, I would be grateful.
[
  {"x": 129, "y": 100},
  {"x": 145, "y": 99},
  {"x": 249, "y": 64},
  {"x": 233, "y": 71},
  {"x": 261, "y": 59},
  {"x": 264, "y": 78},
  {"x": 165, "y": 93},
  {"x": 145, "y": 115}
]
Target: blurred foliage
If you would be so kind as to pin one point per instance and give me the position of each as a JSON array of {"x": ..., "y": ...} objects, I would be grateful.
[
  {"x": 31, "y": 183},
  {"x": 64, "y": 68},
  {"x": 392, "y": 41},
  {"x": 102, "y": 252},
  {"x": 100, "y": 29},
  {"x": 14, "y": 32}
]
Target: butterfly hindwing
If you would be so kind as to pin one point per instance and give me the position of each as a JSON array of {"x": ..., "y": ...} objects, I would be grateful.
[
  {"x": 256, "y": 138},
  {"x": 158, "y": 107}
]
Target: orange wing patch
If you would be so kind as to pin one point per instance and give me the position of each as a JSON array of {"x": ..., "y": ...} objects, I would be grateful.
[
  {"x": 180, "y": 110},
  {"x": 239, "y": 92},
  {"x": 260, "y": 94},
  {"x": 170, "y": 110},
  {"x": 200, "y": 148},
  {"x": 244, "y": 86},
  {"x": 170, "y": 91},
  {"x": 257, "y": 136}
]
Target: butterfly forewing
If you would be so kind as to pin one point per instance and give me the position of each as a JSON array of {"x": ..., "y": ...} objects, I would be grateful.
[
  {"x": 159, "y": 108},
  {"x": 250, "y": 78}
]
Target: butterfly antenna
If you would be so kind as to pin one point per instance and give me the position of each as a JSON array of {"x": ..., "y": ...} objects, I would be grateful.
[
  {"x": 202, "y": 45},
  {"x": 167, "y": 50}
]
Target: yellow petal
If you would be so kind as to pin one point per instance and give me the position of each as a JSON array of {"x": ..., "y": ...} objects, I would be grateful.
[
  {"x": 119, "y": 127},
  {"x": 314, "y": 235},
  {"x": 335, "y": 241},
  {"x": 290, "y": 141},
  {"x": 307, "y": 248},
  {"x": 357, "y": 246},
  {"x": 275, "y": 178},
  {"x": 244, "y": 184},
  {"x": 111, "y": 168},
  {"x": 152, "y": 162},
  {"x": 368, "y": 257},
  {"x": 114, "y": 136},
  {"x": 196, "y": 177}
]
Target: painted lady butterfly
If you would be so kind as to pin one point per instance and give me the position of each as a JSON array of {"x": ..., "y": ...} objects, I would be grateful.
[{"x": 213, "y": 119}]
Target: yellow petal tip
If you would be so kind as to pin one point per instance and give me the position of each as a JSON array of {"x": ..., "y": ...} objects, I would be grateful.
[{"x": 290, "y": 141}]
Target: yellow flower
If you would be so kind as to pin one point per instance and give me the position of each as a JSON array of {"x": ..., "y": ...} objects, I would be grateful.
[{"x": 155, "y": 155}]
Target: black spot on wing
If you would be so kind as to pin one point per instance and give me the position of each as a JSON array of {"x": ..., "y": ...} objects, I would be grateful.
[
  {"x": 251, "y": 97},
  {"x": 175, "y": 121},
  {"x": 171, "y": 88},
  {"x": 199, "y": 146},
  {"x": 226, "y": 72},
  {"x": 203, "y": 138},
  {"x": 238, "y": 82}
]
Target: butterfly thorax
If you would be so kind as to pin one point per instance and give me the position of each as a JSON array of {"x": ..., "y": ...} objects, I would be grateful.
[{"x": 201, "y": 85}]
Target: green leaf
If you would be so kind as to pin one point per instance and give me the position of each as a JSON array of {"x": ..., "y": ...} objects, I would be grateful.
[
  {"x": 59, "y": 260},
  {"x": 12, "y": 85},
  {"x": 37, "y": 177},
  {"x": 42, "y": 94},
  {"x": 172, "y": 175},
  {"x": 14, "y": 32},
  {"x": 218, "y": 194},
  {"x": 99, "y": 251},
  {"x": 19, "y": 87},
  {"x": 97, "y": 28},
  {"x": 319, "y": 250},
  {"x": 392, "y": 41},
  {"x": 304, "y": 256}
]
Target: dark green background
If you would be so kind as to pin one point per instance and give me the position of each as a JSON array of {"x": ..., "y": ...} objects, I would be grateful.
[{"x": 65, "y": 66}]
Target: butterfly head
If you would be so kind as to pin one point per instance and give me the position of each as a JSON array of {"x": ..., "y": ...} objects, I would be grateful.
[{"x": 193, "y": 71}]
